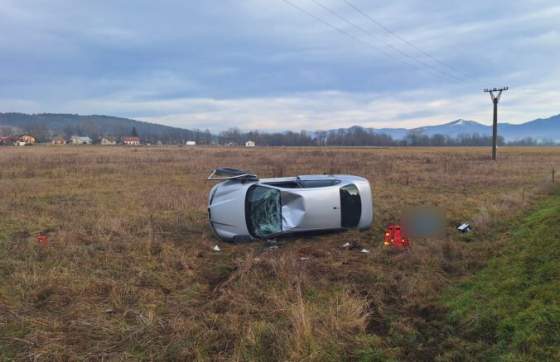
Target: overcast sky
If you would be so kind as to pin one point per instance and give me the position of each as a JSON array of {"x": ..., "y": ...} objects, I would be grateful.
[{"x": 263, "y": 64}]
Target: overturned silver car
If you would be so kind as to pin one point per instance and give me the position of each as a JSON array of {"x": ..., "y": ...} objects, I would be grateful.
[{"x": 242, "y": 207}]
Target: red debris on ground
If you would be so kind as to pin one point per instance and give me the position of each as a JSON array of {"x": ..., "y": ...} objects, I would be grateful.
[{"x": 43, "y": 240}]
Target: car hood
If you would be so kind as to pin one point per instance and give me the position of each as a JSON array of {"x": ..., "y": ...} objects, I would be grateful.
[{"x": 227, "y": 209}]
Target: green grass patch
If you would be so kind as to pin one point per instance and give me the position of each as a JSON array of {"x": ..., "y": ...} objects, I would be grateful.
[{"x": 510, "y": 311}]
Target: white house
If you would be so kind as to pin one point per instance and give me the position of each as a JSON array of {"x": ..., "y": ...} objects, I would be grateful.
[
  {"x": 108, "y": 141},
  {"x": 250, "y": 144},
  {"x": 191, "y": 143},
  {"x": 77, "y": 140}
]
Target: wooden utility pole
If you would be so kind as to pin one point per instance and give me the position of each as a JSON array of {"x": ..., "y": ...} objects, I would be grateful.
[{"x": 495, "y": 99}]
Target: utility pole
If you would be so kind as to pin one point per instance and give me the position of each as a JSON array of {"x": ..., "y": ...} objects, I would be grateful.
[{"x": 495, "y": 99}]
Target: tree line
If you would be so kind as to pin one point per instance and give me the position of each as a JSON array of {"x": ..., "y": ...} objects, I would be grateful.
[
  {"x": 354, "y": 136},
  {"x": 357, "y": 136}
]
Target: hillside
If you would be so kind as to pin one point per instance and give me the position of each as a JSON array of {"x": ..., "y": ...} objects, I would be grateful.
[{"x": 47, "y": 125}]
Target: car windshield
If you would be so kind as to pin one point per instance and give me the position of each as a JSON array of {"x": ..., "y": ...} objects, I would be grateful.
[
  {"x": 263, "y": 211},
  {"x": 351, "y": 206}
]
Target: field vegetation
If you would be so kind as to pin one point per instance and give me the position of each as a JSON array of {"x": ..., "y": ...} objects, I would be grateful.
[
  {"x": 129, "y": 272},
  {"x": 510, "y": 311}
]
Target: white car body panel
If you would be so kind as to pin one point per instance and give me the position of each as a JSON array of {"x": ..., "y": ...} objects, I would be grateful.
[{"x": 303, "y": 209}]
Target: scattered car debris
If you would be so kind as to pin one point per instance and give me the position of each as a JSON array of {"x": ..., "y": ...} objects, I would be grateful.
[
  {"x": 352, "y": 245},
  {"x": 464, "y": 228},
  {"x": 43, "y": 240},
  {"x": 216, "y": 248},
  {"x": 395, "y": 237}
]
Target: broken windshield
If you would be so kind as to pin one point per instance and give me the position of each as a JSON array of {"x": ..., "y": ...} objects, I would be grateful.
[{"x": 263, "y": 211}]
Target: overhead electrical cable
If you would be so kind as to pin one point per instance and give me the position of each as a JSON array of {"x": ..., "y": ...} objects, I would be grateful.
[
  {"x": 403, "y": 40},
  {"x": 340, "y": 30},
  {"x": 431, "y": 67},
  {"x": 358, "y": 39}
]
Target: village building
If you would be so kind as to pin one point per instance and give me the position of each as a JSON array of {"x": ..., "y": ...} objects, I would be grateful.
[
  {"x": 250, "y": 144},
  {"x": 8, "y": 140},
  {"x": 25, "y": 140},
  {"x": 78, "y": 140},
  {"x": 58, "y": 141},
  {"x": 108, "y": 141},
  {"x": 131, "y": 141}
]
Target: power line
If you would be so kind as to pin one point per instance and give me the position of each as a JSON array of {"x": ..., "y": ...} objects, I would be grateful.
[
  {"x": 401, "y": 52},
  {"x": 368, "y": 43},
  {"x": 405, "y": 41},
  {"x": 342, "y": 31}
]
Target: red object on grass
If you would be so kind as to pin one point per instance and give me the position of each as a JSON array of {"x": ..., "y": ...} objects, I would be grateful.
[
  {"x": 395, "y": 236},
  {"x": 43, "y": 240}
]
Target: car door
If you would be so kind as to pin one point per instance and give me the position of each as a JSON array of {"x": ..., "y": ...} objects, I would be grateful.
[{"x": 315, "y": 206}]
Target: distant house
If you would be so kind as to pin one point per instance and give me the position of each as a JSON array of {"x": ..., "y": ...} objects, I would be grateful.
[
  {"x": 131, "y": 141},
  {"x": 108, "y": 141},
  {"x": 191, "y": 143},
  {"x": 8, "y": 141},
  {"x": 58, "y": 141},
  {"x": 250, "y": 144},
  {"x": 78, "y": 140},
  {"x": 25, "y": 140}
]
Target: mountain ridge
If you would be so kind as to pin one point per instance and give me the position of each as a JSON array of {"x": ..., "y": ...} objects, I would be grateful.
[{"x": 538, "y": 129}]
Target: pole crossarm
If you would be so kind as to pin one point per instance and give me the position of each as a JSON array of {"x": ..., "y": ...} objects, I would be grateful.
[{"x": 496, "y": 98}]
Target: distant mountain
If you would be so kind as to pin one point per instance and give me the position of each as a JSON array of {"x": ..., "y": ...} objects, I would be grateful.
[
  {"x": 47, "y": 125},
  {"x": 456, "y": 128},
  {"x": 540, "y": 129}
]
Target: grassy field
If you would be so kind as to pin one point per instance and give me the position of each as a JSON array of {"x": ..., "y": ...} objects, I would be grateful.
[
  {"x": 129, "y": 272},
  {"x": 510, "y": 311}
]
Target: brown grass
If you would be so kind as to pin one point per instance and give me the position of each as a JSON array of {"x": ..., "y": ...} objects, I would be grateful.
[{"x": 129, "y": 272}]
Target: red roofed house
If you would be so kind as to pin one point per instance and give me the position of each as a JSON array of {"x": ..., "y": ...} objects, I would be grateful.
[
  {"x": 9, "y": 140},
  {"x": 131, "y": 141}
]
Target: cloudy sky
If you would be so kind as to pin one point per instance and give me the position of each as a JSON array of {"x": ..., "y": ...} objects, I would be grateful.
[{"x": 266, "y": 64}]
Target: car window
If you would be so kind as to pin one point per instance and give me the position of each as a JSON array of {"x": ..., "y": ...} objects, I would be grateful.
[
  {"x": 263, "y": 211},
  {"x": 303, "y": 184},
  {"x": 285, "y": 184},
  {"x": 350, "y": 206},
  {"x": 317, "y": 183}
]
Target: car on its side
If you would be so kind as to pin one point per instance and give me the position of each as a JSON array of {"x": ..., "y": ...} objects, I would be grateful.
[{"x": 242, "y": 207}]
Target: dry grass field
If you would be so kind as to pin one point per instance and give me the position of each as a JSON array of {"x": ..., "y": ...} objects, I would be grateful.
[{"x": 129, "y": 272}]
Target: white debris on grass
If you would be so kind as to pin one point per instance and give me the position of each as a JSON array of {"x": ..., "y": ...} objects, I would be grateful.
[
  {"x": 347, "y": 245},
  {"x": 216, "y": 248},
  {"x": 365, "y": 251},
  {"x": 464, "y": 228}
]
